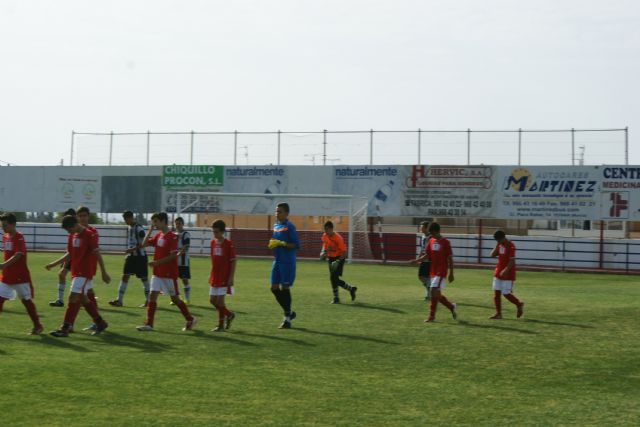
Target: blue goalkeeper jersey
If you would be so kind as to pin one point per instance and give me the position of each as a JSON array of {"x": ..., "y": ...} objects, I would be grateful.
[{"x": 286, "y": 232}]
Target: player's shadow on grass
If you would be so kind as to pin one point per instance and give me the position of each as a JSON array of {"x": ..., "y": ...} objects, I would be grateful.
[
  {"x": 375, "y": 307},
  {"x": 62, "y": 343},
  {"x": 275, "y": 338},
  {"x": 120, "y": 311},
  {"x": 215, "y": 336},
  {"x": 464, "y": 304},
  {"x": 346, "y": 336},
  {"x": 546, "y": 322},
  {"x": 495, "y": 326},
  {"x": 138, "y": 343}
]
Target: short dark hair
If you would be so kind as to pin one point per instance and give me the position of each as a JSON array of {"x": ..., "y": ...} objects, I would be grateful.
[
  {"x": 161, "y": 216},
  {"x": 328, "y": 224},
  {"x": 69, "y": 211},
  {"x": 83, "y": 209},
  {"x": 284, "y": 206},
  {"x": 127, "y": 214},
  {"x": 179, "y": 219},
  {"x": 434, "y": 227},
  {"x": 499, "y": 235},
  {"x": 219, "y": 224},
  {"x": 8, "y": 217},
  {"x": 69, "y": 221},
  {"x": 424, "y": 224}
]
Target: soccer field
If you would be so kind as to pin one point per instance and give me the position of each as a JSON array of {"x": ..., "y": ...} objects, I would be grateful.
[{"x": 574, "y": 359}]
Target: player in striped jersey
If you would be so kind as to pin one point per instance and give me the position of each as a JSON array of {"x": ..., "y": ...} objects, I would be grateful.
[
  {"x": 136, "y": 261},
  {"x": 62, "y": 274},
  {"x": 184, "y": 269},
  {"x": 423, "y": 260}
]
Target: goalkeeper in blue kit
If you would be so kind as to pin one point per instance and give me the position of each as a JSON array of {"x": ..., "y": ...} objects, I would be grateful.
[{"x": 284, "y": 243}]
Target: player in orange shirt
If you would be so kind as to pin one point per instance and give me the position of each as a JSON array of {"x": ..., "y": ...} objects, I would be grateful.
[
  {"x": 504, "y": 275},
  {"x": 439, "y": 252},
  {"x": 223, "y": 270},
  {"x": 335, "y": 251}
]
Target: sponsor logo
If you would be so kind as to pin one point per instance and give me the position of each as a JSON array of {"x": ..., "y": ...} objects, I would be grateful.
[
  {"x": 67, "y": 190},
  {"x": 254, "y": 171},
  {"x": 621, "y": 173},
  {"x": 450, "y": 177},
  {"x": 521, "y": 180},
  {"x": 618, "y": 205},
  {"x": 365, "y": 172}
]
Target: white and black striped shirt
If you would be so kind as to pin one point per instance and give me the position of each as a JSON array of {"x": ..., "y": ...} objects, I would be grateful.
[
  {"x": 135, "y": 236},
  {"x": 184, "y": 239}
]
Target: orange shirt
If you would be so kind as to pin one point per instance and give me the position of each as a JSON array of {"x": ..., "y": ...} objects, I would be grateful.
[{"x": 334, "y": 245}]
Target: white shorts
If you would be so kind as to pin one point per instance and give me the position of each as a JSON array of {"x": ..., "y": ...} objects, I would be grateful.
[
  {"x": 81, "y": 285},
  {"x": 503, "y": 286},
  {"x": 438, "y": 282},
  {"x": 165, "y": 285},
  {"x": 217, "y": 292},
  {"x": 23, "y": 290}
]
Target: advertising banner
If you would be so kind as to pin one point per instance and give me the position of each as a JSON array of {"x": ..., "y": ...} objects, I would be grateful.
[
  {"x": 69, "y": 191},
  {"x": 548, "y": 192},
  {"x": 192, "y": 178},
  {"x": 380, "y": 185},
  {"x": 620, "y": 193}
]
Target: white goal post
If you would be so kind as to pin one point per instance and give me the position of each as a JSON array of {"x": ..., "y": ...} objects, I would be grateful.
[{"x": 355, "y": 208}]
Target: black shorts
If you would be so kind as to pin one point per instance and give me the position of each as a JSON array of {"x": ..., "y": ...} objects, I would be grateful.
[
  {"x": 340, "y": 269},
  {"x": 184, "y": 272},
  {"x": 423, "y": 270},
  {"x": 136, "y": 266}
]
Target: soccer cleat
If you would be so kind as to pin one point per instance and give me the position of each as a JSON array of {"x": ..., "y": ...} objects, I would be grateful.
[
  {"x": 218, "y": 329},
  {"x": 285, "y": 325},
  {"x": 144, "y": 328},
  {"x": 520, "y": 310},
  {"x": 56, "y": 303},
  {"x": 335, "y": 301},
  {"x": 115, "y": 303},
  {"x": 172, "y": 303},
  {"x": 37, "y": 330},
  {"x": 59, "y": 333},
  {"x": 496, "y": 316},
  {"x": 229, "y": 319},
  {"x": 454, "y": 311},
  {"x": 353, "y": 292},
  {"x": 91, "y": 327},
  {"x": 100, "y": 327},
  {"x": 292, "y": 315},
  {"x": 144, "y": 305},
  {"x": 430, "y": 320},
  {"x": 190, "y": 324}
]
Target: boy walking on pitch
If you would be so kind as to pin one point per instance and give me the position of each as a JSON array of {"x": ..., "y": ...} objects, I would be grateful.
[
  {"x": 223, "y": 269},
  {"x": 82, "y": 247},
  {"x": 15, "y": 273},
  {"x": 165, "y": 270},
  {"x": 136, "y": 261},
  {"x": 423, "y": 260},
  {"x": 184, "y": 269},
  {"x": 284, "y": 243},
  {"x": 62, "y": 274},
  {"x": 439, "y": 252},
  {"x": 335, "y": 251},
  {"x": 504, "y": 275}
]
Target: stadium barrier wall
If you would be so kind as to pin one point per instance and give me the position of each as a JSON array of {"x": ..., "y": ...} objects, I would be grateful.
[{"x": 621, "y": 255}]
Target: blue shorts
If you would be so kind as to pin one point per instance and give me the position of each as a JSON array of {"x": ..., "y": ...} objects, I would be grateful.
[{"x": 283, "y": 274}]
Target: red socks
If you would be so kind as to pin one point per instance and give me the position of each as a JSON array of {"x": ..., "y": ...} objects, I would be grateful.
[
  {"x": 92, "y": 298},
  {"x": 2, "y": 300},
  {"x": 71, "y": 313},
  {"x": 151, "y": 312},
  {"x": 92, "y": 310},
  {"x": 433, "y": 304},
  {"x": 497, "y": 301},
  {"x": 184, "y": 310},
  {"x": 512, "y": 298},
  {"x": 33, "y": 313},
  {"x": 444, "y": 301}
]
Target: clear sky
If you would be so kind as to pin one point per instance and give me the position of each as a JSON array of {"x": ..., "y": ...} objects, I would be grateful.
[{"x": 312, "y": 65}]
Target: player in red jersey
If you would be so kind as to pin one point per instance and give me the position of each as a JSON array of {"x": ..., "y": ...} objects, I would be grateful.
[
  {"x": 504, "y": 275},
  {"x": 62, "y": 274},
  {"x": 15, "y": 275},
  {"x": 165, "y": 270},
  {"x": 82, "y": 247},
  {"x": 440, "y": 255},
  {"x": 223, "y": 270}
]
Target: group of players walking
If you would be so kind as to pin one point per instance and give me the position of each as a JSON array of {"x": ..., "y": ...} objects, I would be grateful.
[{"x": 171, "y": 261}]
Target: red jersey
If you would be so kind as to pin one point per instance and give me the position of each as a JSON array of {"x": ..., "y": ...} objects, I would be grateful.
[
  {"x": 222, "y": 254},
  {"x": 82, "y": 246},
  {"x": 334, "y": 245},
  {"x": 439, "y": 251},
  {"x": 18, "y": 272},
  {"x": 165, "y": 244},
  {"x": 506, "y": 253}
]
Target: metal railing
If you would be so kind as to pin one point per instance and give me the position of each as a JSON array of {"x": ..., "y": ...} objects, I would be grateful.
[{"x": 419, "y": 146}]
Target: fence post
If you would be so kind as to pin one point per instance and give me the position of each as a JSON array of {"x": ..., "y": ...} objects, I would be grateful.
[
  {"x": 519, "y": 146},
  {"x": 573, "y": 147},
  {"x": 626, "y": 145},
  {"x": 148, "y": 146},
  {"x": 371, "y": 147},
  {"x": 278, "y": 160},
  {"x": 324, "y": 147},
  {"x": 110, "y": 148},
  {"x": 235, "y": 147},
  {"x": 627, "y": 258},
  {"x": 468, "y": 146},
  {"x": 73, "y": 137},
  {"x": 419, "y": 146},
  {"x": 601, "y": 261},
  {"x": 191, "y": 149},
  {"x": 564, "y": 254},
  {"x": 480, "y": 241}
]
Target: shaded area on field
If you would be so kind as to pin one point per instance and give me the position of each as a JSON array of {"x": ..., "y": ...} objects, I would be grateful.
[
  {"x": 62, "y": 343},
  {"x": 375, "y": 307},
  {"x": 548, "y": 322},
  {"x": 494, "y": 326},
  {"x": 465, "y": 304},
  {"x": 136, "y": 342},
  {"x": 103, "y": 309},
  {"x": 346, "y": 336},
  {"x": 220, "y": 336},
  {"x": 275, "y": 338}
]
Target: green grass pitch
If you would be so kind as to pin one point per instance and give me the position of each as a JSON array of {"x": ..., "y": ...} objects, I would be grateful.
[{"x": 573, "y": 360}]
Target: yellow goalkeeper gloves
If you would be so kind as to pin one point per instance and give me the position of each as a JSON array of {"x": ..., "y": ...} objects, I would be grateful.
[{"x": 274, "y": 243}]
